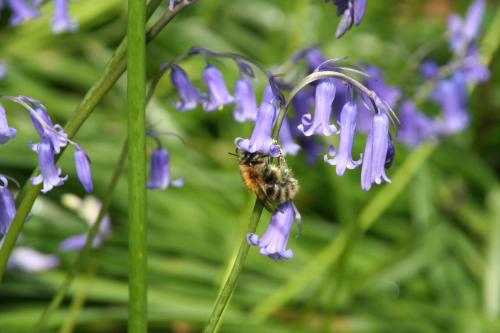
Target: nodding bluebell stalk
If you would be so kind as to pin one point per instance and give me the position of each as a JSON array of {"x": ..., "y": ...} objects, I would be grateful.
[
  {"x": 82, "y": 164},
  {"x": 261, "y": 140},
  {"x": 190, "y": 95},
  {"x": 320, "y": 124},
  {"x": 375, "y": 153},
  {"x": 217, "y": 90},
  {"x": 274, "y": 241},
  {"x": 343, "y": 158},
  {"x": 7, "y": 206},
  {"x": 61, "y": 21},
  {"x": 159, "y": 176},
  {"x": 351, "y": 12},
  {"x": 6, "y": 132},
  {"x": 21, "y": 12},
  {"x": 53, "y": 140},
  {"x": 246, "y": 104}
]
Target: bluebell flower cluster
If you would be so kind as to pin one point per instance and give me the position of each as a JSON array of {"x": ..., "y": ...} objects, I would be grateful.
[
  {"x": 52, "y": 140},
  {"x": 22, "y": 11},
  {"x": 450, "y": 83},
  {"x": 350, "y": 12},
  {"x": 325, "y": 107}
]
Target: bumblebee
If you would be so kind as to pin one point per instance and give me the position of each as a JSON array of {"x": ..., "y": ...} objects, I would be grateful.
[{"x": 273, "y": 184}]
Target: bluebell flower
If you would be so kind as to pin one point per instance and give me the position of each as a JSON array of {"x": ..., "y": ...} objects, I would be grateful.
[
  {"x": 246, "y": 104},
  {"x": 50, "y": 174},
  {"x": 288, "y": 146},
  {"x": 44, "y": 126},
  {"x": 217, "y": 90},
  {"x": 415, "y": 127},
  {"x": 7, "y": 206},
  {"x": 261, "y": 140},
  {"x": 6, "y": 132},
  {"x": 61, "y": 21},
  {"x": 351, "y": 12},
  {"x": 274, "y": 241},
  {"x": 88, "y": 209},
  {"x": 463, "y": 33},
  {"x": 82, "y": 164},
  {"x": 190, "y": 95},
  {"x": 29, "y": 260},
  {"x": 159, "y": 177},
  {"x": 429, "y": 69},
  {"x": 314, "y": 58},
  {"x": 389, "y": 94},
  {"x": 320, "y": 125},
  {"x": 375, "y": 154},
  {"x": 472, "y": 68},
  {"x": 451, "y": 95},
  {"x": 302, "y": 103},
  {"x": 343, "y": 158},
  {"x": 21, "y": 12}
]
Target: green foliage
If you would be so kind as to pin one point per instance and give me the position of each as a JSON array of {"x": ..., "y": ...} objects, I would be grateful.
[{"x": 427, "y": 263}]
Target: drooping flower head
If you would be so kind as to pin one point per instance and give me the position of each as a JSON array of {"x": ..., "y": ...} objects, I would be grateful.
[
  {"x": 7, "y": 206},
  {"x": 320, "y": 125},
  {"x": 274, "y": 241},
  {"x": 44, "y": 125},
  {"x": 351, "y": 11},
  {"x": 159, "y": 177},
  {"x": 82, "y": 164},
  {"x": 61, "y": 21},
  {"x": 190, "y": 95},
  {"x": 217, "y": 90},
  {"x": 50, "y": 174},
  {"x": 343, "y": 158},
  {"x": 375, "y": 154},
  {"x": 261, "y": 140},
  {"x": 246, "y": 104},
  {"x": 6, "y": 132},
  {"x": 21, "y": 12},
  {"x": 463, "y": 33},
  {"x": 302, "y": 103}
]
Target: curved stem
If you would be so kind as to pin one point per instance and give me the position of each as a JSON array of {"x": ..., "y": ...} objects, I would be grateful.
[
  {"x": 229, "y": 285},
  {"x": 112, "y": 72},
  {"x": 94, "y": 230}
]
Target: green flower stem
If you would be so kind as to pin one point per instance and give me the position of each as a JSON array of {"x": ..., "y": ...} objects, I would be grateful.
[
  {"x": 59, "y": 296},
  {"x": 112, "y": 72},
  {"x": 339, "y": 248},
  {"x": 137, "y": 205},
  {"x": 229, "y": 285},
  {"x": 80, "y": 296}
]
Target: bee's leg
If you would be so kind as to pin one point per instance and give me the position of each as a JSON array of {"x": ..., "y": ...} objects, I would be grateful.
[{"x": 268, "y": 205}]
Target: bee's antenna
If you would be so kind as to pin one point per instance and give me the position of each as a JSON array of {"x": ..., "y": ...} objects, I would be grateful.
[{"x": 233, "y": 154}]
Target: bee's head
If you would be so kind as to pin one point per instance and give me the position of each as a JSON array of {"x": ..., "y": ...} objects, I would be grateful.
[{"x": 250, "y": 159}]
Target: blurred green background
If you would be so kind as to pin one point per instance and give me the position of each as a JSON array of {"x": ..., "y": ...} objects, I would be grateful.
[{"x": 429, "y": 263}]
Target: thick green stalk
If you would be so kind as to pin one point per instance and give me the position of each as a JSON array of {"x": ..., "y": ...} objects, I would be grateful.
[
  {"x": 112, "y": 72},
  {"x": 229, "y": 285},
  {"x": 137, "y": 228},
  {"x": 106, "y": 202}
]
